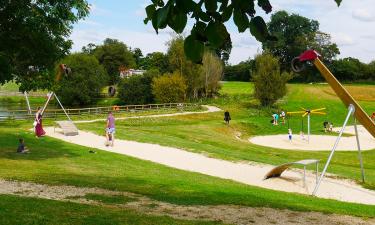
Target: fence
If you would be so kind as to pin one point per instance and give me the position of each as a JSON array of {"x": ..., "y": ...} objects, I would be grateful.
[
  {"x": 15, "y": 93},
  {"x": 54, "y": 113}
]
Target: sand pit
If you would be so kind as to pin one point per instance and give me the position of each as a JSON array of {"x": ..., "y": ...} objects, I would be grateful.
[
  {"x": 318, "y": 142},
  {"x": 252, "y": 174}
]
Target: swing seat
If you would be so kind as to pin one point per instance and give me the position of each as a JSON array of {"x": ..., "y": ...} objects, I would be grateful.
[{"x": 68, "y": 128}]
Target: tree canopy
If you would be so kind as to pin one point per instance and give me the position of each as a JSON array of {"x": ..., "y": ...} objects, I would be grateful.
[
  {"x": 83, "y": 85},
  {"x": 34, "y": 36},
  {"x": 209, "y": 28},
  {"x": 114, "y": 54}
]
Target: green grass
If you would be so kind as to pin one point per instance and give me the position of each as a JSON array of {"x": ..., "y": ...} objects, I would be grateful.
[
  {"x": 27, "y": 211},
  {"x": 9, "y": 86},
  {"x": 113, "y": 199},
  {"x": 56, "y": 163},
  {"x": 207, "y": 132}
]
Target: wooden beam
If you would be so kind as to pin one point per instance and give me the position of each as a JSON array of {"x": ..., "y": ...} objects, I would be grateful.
[{"x": 345, "y": 97}]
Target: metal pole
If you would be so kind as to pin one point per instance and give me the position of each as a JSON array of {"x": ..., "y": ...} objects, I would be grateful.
[
  {"x": 49, "y": 98},
  {"x": 317, "y": 172},
  {"x": 62, "y": 106},
  {"x": 308, "y": 128},
  {"x": 27, "y": 101},
  {"x": 359, "y": 150},
  {"x": 351, "y": 110}
]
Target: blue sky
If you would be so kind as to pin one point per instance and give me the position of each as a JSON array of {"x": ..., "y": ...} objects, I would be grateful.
[{"x": 351, "y": 26}]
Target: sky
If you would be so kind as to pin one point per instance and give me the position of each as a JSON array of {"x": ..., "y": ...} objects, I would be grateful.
[{"x": 351, "y": 26}]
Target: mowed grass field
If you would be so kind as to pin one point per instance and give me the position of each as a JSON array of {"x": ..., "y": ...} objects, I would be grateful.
[
  {"x": 58, "y": 163},
  {"x": 207, "y": 133}
]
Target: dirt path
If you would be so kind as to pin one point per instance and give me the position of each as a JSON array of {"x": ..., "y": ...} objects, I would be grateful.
[
  {"x": 252, "y": 174},
  {"x": 210, "y": 109},
  {"x": 230, "y": 214}
]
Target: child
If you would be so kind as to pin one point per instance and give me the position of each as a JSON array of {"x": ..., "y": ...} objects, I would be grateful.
[
  {"x": 290, "y": 134},
  {"x": 330, "y": 127},
  {"x": 302, "y": 135},
  {"x": 282, "y": 116},
  {"x": 21, "y": 147}
]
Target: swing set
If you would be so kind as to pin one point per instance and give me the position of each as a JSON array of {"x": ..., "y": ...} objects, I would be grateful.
[{"x": 354, "y": 109}]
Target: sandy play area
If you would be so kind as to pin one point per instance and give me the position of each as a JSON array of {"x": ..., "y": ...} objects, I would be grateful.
[
  {"x": 251, "y": 174},
  {"x": 318, "y": 142}
]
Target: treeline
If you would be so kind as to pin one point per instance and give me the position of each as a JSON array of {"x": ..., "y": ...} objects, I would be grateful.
[
  {"x": 295, "y": 34},
  {"x": 169, "y": 77}
]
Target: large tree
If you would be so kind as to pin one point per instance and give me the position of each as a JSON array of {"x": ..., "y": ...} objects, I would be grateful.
[
  {"x": 155, "y": 60},
  {"x": 212, "y": 70},
  {"x": 189, "y": 70},
  {"x": 82, "y": 86},
  {"x": 34, "y": 35},
  {"x": 269, "y": 82},
  {"x": 295, "y": 34},
  {"x": 114, "y": 54},
  {"x": 210, "y": 16}
]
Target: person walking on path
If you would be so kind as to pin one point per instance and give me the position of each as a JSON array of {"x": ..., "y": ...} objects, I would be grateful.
[
  {"x": 39, "y": 132},
  {"x": 227, "y": 117},
  {"x": 110, "y": 129}
]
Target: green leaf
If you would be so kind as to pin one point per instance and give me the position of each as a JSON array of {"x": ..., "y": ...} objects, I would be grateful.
[
  {"x": 162, "y": 17},
  {"x": 266, "y": 5},
  {"x": 177, "y": 21},
  {"x": 338, "y": 2},
  {"x": 258, "y": 28},
  {"x": 185, "y": 5},
  {"x": 241, "y": 20},
  {"x": 224, "y": 5},
  {"x": 150, "y": 10},
  {"x": 216, "y": 33},
  {"x": 210, "y": 5},
  {"x": 227, "y": 13},
  {"x": 194, "y": 49}
]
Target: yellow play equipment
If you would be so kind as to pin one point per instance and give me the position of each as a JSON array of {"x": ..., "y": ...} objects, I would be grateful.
[
  {"x": 307, "y": 112},
  {"x": 354, "y": 109}
]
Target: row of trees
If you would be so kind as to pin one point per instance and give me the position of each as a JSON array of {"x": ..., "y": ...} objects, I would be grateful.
[
  {"x": 170, "y": 77},
  {"x": 173, "y": 71},
  {"x": 296, "y": 34}
]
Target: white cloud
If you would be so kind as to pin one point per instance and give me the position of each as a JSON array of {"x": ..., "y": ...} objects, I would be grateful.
[
  {"x": 363, "y": 15},
  {"x": 147, "y": 42},
  {"x": 342, "y": 39},
  {"x": 345, "y": 23}
]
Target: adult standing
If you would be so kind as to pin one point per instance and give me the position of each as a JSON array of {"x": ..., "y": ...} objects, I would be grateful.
[
  {"x": 39, "y": 132},
  {"x": 110, "y": 129},
  {"x": 227, "y": 117}
]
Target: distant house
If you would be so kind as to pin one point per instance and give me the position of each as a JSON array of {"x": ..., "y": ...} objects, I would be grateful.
[{"x": 130, "y": 72}]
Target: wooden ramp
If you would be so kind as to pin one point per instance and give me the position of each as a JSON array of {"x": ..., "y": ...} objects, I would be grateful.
[{"x": 68, "y": 128}]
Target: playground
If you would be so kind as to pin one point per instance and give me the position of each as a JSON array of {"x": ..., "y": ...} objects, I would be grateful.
[
  {"x": 318, "y": 142},
  {"x": 178, "y": 148}
]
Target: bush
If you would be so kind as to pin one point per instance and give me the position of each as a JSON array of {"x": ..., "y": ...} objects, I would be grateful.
[
  {"x": 82, "y": 86},
  {"x": 269, "y": 84},
  {"x": 169, "y": 88},
  {"x": 137, "y": 89}
]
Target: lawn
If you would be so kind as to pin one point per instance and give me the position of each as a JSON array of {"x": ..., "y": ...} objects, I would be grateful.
[
  {"x": 207, "y": 133},
  {"x": 25, "y": 211},
  {"x": 56, "y": 163}
]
